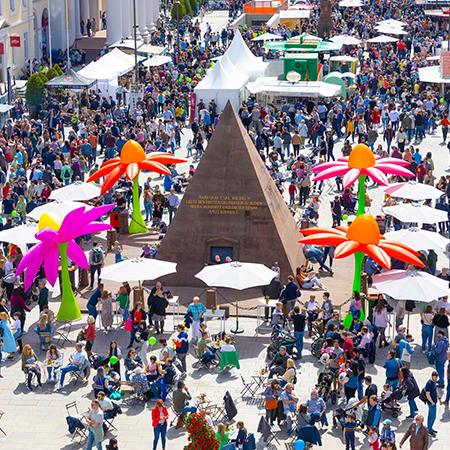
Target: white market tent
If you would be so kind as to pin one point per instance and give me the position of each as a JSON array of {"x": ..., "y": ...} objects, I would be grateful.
[
  {"x": 241, "y": 56},
  {"x": 273, "y": 86},
  {"x": 222, "y": 83},
  {"x": 382, "y": 39},
  {"x": 345, "y": 40},
  {"x": 432, "y": 74},
  {"x": 107, "y": 69},
  {"x": 267, "y": 37}
]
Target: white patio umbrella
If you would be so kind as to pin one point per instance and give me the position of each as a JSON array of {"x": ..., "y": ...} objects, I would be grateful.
[
  {"x": 267, "y": 37},
  {"x": 390, "y": 29},
  {"x": 157, "y": 60},
  {"x": 410, "y": 285},
  {"x": 350, "y": 4},
  {"x": 418, "y": 239},
  {"x": 345, "y": 40},
  {"x": 382, "y": 39},
  {"x": 76, "y": 192},
  {"x": 415, "y": 213},
  {"x": 138, "y": 269},
  {"x": 57, "y": 207},
  {"x": 23, "y": 234},
  {"x": 239, "y": 276},
  {"x": 394, "y": 22},
  {"x": 413, "y": 191}
]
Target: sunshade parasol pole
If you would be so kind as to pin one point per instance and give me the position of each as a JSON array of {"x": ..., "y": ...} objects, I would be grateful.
[
  {"x": 140, "y": 293},
  {"x": 237, "y": 330}
]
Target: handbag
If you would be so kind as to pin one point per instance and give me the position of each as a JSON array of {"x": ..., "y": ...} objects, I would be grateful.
[
  {"x": 399, "y": 373},
  {"x": 406, "y": 356},
  {"x": 431, "y": 357},
  {"x": 271, "y": 404},
  {"x": 128, "y": 324},
  {"x": 121, "y": 311}
]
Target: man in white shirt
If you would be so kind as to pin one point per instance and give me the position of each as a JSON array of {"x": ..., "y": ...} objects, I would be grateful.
[
  {"x": 207, "y": 418},
  {"x": 393, "y": 116},
  {"x": 9, "y": 266},
  {"x": 443, "y": 302},
  {"x": 76, "y": 362},
  {"x": 105, "y": 404},
  {"x": 95, "y": 426}
]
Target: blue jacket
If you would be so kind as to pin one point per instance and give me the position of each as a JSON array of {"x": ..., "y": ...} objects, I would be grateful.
[
  {"x": 441, "y": 349},
  {"x": 289, "y": 292}
]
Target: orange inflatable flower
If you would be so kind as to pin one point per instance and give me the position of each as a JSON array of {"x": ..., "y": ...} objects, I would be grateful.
[
  {"x": 363, "y": 235},
  {"x": 132, "y": 159},
  {"x": 362, "y": 161}
]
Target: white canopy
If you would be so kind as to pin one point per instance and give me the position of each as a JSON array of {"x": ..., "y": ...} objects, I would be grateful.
[
  {"x": 432, "y": 74},
  {"x": 301, "y": 89},
  {"x": 113, "y": 64},
  {"x": 390, "y": 29},
  {"x": 241, "y": 56},
  {"x": 295, "y": 14},
  {"x": 396, "y": 23},
  {"x": 222, "y": 83},
  {"x": 381, "y": 39},
  {"x": 267, "y": 37},
  {"x": 346, "y": 40},
  {"x": 157, "y": 60}
]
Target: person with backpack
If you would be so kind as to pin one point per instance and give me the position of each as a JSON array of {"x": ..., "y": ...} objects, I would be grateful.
[
  {"x": 96, "y": 262},
  {"x": 441, "y": 356},
  {"x": 412, "y": 391}
]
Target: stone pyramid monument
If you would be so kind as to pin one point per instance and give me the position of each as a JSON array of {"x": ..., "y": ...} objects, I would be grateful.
[{"x": 231, "y": 208}]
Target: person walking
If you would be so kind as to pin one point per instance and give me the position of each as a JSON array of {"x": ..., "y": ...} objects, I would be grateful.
[
  {"x": 417, "y": 434},
  {"x": 95, "y": 426},
  {"x": 441, "y": 356},
  {"x": 96, "y": 262},
  {"x": 160, "y": 416},
  {"x": 412, "y": 391},
  {"x": 433, "y": 397}
]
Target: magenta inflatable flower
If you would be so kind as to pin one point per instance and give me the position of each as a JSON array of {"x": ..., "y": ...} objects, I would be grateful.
[{"x": 53, "y": 233}]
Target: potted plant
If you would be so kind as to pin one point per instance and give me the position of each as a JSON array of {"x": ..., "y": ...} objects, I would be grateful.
[
  {"x": 34, "y": 94},
  {"x": 213, "y": 310},
  {"x": 267, "y": 299}
]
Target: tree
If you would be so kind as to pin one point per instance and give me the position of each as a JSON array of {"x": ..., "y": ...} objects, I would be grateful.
[
  {"x": 51, "y": 73},
  {"x": 181, "y": 11},
  {"x": 193, "y": 4},
  {"x": 201, "y": 436},
  {"x": 34, "y": 94},
  {"x": 58, "y": 70},
  {"x": 187, "y": 6}
]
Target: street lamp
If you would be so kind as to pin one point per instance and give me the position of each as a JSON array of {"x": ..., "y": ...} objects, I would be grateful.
[
  {"x": 178, "y": 30},
  {"x": 135, "y": 43}
]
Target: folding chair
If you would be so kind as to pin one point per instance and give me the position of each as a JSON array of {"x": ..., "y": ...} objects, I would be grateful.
[
  {"x": 72, "y": 410},
  {"x": 274, "y": 430},
  {"x": 177, "y": 416},
  {"x": 249, "y": 386},
  {"x": 113, "y": 414},
  {"x": 62, "y": 335},
  {"x": 82, "y": 374},
  {"x": 1, "y": 415}
]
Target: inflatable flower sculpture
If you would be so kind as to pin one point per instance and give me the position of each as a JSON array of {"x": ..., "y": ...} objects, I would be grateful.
[
  {"x": 361, "y": 238},
  {"x": 360, "y": 164},
  {"x": 57, "y": 236},
  {"x": 132, "y": 160}
]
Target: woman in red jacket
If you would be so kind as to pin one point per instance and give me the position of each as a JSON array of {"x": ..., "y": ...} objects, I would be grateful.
[
  {"x": 159, "y": 421},
  {"x": 90, "y": 335}
]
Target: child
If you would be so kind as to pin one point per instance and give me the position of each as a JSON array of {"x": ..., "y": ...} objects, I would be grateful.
[
  {"x": 292, "y": 192},
  {"x": 373, "y": 438},
  {"x": 277, "y": 316},
  {"x": 349, "y": 432},
  {"x": 189, "y": 147},
  {"x": 1, "y": 346},
  {"x": 387, "y": 392},
  {"x": 147, "y": 251},
  {"x": 387, "y": 434},
  {"x": 17, "y": 328},
  {"x": 118, "y": 251}
]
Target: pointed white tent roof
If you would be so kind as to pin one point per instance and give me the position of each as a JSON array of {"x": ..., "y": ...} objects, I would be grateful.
[
  {"x": 220, "y": 78},
  {"x": 111, "y": 65},
  {"x": 241, "y": 56}
]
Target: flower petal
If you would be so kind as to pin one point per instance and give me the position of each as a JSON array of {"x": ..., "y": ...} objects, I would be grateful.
[
  {"x": 394, "y": 161},
  {"x": 165, "y": 158},
  {"x": 376, "y": 175},
  {"x": 113, "y": 177},
  {"x": 76, "y": 254},
  {"x": 400, "y": 253},
  {"x": 111, "y": 161},
  {"x": 69, "y": 221},
  {"x": 350, "y": 177},
  {"x": 132, "y": 171},
  {"x": 329, "y": 165},
  {"x": 51, "y": 265},
  {"x": 32, "y": 262},
  {"x": 324, "y": 239},
  {"x": 48, "y": 235},
  {"x": 105, "y": 170},
  {"x": 96, "y": 227},
  {"x": 86, "y": 218},
  {"x": 346, "y": 248},
  {"x": 378, "y": 255},
  {"x": 396, "y": 170},
  {"x": 331, "y": 172},
  {"x": 154, "y": 167},
  {"x": 309, "y": 231}
]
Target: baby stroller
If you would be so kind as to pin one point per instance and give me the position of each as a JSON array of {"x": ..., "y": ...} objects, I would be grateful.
[
  {"x": 340, "y": 414},
  {"x": 280, "y": 337},
  {"x": 388, "y": 404},
  {"x": 324, "y": 383}
]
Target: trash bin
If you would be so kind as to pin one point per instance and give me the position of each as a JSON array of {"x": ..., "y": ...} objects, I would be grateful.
[
  {"x": 123, "y": 223},
  {"x": 114, "y": 220},
  {"x": 304, "y": 224}
]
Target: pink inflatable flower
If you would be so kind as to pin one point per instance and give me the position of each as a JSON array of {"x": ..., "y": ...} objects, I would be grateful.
[
  {"x": 54, "y": 232},
  {"x": 362, "y": 161}
]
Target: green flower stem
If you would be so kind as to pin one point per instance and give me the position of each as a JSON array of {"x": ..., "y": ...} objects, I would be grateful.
[
  {"x": 137, "y": 224},
  {"x": 69, "y": 309},
  {"x": 359, "y": 256},
  {"x": 361, "y": 196}
]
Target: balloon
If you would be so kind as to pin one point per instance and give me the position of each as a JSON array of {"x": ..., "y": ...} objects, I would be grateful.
[
  {"x": 345, "y": 217},
  {"x": 189, "y": 80},
  {"x": 299, "y": 445},
  {"x": 198, "y": 76},
  {"x": 180, "y": 79},
  {"x": 441, "y": 100},
  {"x": 152, "y": 340},
  {"x": 113, "y": 360},
  {"x": 199, "y": 70},
  {"x": 213, "y": 64},
  {"x": 14, "y": 213}
]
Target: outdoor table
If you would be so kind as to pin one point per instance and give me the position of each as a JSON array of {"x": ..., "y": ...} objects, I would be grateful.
[
  {"x": 218, "y": 314},
  {"x": 260, "y": 378},
  {"x": 262, "y": 306},
  {"x": 174, "y": 302},
  {"x": 201, "y": 404}
]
